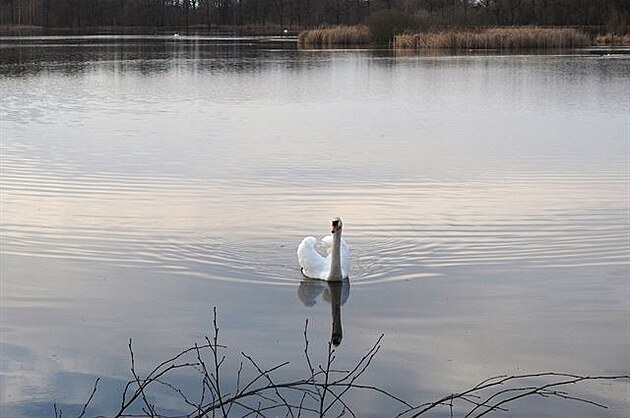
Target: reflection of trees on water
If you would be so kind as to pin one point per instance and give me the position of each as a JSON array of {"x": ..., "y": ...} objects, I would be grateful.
[
  {"x": 152, "y": 54},
  {"x": 334, "y": 293}
]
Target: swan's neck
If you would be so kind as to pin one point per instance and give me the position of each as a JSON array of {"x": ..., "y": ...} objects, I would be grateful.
[{"x": 335, "y": 258}]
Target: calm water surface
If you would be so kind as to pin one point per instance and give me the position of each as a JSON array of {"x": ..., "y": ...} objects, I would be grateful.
[{"x": 145, "y": 181}]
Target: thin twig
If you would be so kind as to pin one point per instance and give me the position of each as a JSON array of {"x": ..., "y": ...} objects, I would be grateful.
[
  {"x": 141, "y": 386},
  {"x": 326, "y": 372},
  {"x": 217, "y": 362},
  {"x": 542, "y": 388},
  {"x": 86, "y": 404},
  {"x": 265, "y": 374}
]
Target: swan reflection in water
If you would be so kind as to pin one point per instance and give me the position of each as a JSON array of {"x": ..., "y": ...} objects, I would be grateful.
[{"x": 336, "y": 293}]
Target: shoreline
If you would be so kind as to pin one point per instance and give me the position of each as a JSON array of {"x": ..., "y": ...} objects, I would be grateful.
[
  {"x": 24, "y": 30},
  {"x": 360, "y": 35}
]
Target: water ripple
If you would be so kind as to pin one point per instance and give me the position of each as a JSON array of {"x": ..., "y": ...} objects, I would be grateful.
[{"x": 246, "y": 229}]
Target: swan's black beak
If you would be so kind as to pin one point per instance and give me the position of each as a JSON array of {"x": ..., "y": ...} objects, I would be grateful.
[{"x": 335, "y": 226}]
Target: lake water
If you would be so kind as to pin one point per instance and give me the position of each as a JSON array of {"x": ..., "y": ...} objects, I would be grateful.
[{"x": 146, "y": 180}]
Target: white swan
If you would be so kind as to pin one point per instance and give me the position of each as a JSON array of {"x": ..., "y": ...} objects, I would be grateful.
[{"x": 336, "y": 265}]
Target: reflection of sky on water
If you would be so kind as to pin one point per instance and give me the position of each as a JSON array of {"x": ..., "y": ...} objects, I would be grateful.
[
  {"x": 485, "y": 200},
  {"x": 440, "y": 334}
]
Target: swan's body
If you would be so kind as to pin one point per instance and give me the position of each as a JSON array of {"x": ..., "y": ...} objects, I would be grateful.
[{"x": 335, "y": 266}]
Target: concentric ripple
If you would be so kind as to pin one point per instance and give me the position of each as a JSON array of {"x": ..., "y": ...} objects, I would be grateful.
[
  {"x": 216, "y": 230},
  {"x": 213, "y": 163}
]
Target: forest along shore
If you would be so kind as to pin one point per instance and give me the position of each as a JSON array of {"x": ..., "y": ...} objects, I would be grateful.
[
  {"x": 502, "y": 38},
  {"x": 385, "y": 18}
]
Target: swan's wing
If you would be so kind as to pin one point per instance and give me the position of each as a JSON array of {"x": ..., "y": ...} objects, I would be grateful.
[
  {"x": 313, "y": 264},
  {"x": 346, "y": 259},
  {"x": 326, "y": 243}
]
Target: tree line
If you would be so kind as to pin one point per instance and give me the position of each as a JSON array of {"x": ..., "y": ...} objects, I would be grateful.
[{"x": 613, "y": 15}]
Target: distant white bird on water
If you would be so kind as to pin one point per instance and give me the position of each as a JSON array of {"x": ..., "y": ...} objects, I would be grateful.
[{"x": 336, "y": 265}]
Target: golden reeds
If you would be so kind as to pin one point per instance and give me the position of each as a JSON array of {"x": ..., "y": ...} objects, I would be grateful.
[
  {"x": 524, "y": 37},
  {"x": 334, "y": 36},
  {"x": 612, "y": 39}
]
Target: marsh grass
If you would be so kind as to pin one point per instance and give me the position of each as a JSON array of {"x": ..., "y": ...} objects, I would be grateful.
[
  {"x": 334, "y": 36},
  {"x": 612, "y": 39},
  {"x": 513, "y": 38}
]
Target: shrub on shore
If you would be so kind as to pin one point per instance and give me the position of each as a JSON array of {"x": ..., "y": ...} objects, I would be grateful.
[
  {"x": 385, "y": 24},
  {"x": 334, "y": 36},
  {"x": 524, "y": 37}
]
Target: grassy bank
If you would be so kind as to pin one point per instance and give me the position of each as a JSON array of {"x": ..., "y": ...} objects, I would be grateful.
[
  {"x": 525, "y": 37},
  {"x": 334, "y": 36}
]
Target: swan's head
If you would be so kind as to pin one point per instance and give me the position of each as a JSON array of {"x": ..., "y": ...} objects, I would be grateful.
[{"x": 336, "y": 225}]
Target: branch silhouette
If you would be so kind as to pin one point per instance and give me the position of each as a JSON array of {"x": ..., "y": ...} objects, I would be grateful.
[{"x": 322, "y": 392}]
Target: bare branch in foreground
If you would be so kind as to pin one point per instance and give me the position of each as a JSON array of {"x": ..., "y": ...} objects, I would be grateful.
[
  {"x": 491, "y": 396},
  {"x": 85, "y": 406},
  {"x": 323, "y": 392}
]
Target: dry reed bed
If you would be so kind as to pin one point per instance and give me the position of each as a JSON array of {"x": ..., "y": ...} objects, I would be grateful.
[
  {"x": 334, "y": 36},
  {"x": 495, "y": 38},
  {"x": 612, "y": 39}
]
